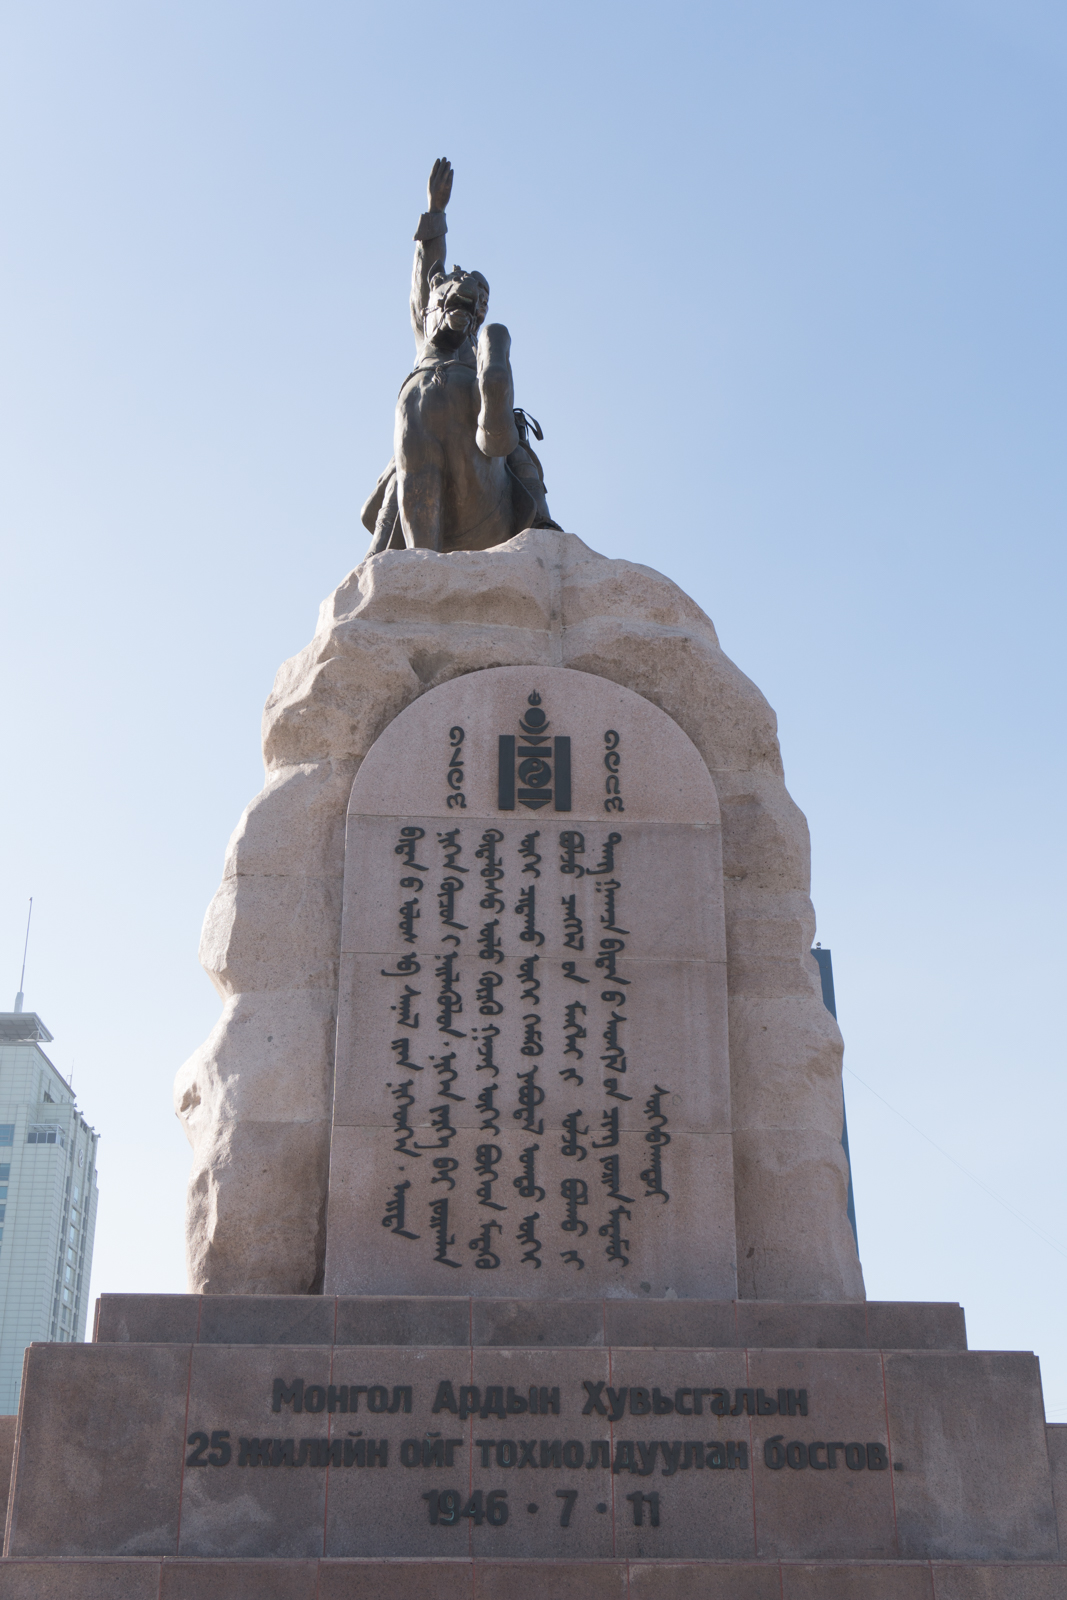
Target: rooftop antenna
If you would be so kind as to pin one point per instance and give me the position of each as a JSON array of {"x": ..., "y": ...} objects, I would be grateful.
[{"x": 19, "y": 997}]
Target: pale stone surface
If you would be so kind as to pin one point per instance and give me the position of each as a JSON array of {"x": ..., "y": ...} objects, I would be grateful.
[
  {"x": 603, "y": 911},
  {"x": 401, "y": 623}
]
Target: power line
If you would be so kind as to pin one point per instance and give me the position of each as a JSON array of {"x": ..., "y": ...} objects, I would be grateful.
[{"x": 991, "y": 1192}]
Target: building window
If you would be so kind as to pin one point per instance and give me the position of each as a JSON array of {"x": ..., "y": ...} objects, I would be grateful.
[
  {"x": 5, "y": 1171},
  {"x": 44, "y": 1133},
  {"x": 7, "y": 1133},
  {"x": 3, "y": 1210}
]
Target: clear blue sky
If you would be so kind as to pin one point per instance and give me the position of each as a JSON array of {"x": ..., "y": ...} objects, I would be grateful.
[{"x": 786, "y": 288}]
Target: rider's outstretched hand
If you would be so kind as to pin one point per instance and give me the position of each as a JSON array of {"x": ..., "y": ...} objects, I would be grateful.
[{"x": 439, "y": 188}]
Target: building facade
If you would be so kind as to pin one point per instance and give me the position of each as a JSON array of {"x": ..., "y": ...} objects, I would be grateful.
[{"x": 48, "y": 1199}]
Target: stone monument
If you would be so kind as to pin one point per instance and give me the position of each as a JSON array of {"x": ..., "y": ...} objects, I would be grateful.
[{"x": 517, "y": 1222}]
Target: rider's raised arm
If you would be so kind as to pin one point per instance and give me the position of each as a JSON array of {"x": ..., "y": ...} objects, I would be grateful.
[
  {"x": 430, "y": 249},
  {"x": 429, "y": 254}
]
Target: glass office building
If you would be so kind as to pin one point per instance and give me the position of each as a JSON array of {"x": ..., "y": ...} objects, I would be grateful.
[{"x": 47, "y": 1201}]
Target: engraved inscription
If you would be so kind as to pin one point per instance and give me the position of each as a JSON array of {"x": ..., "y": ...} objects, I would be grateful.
[
  {"x": 456, "y": 800},
  {"x": 533, "y": 767},
  {"x": 523, "y": 1075},
  {"x": 613, "y": 762}
]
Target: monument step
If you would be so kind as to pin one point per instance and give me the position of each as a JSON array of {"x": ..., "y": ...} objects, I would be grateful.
[
  {"x": 474, "y": 1322},
  {"x": 169, "y": 1579}
]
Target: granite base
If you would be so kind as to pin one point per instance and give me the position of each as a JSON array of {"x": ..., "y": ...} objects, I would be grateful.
[
  {"x": 289, "y": 1446},
  {"x": 169, "y": 1579},
  {"x": 465, "y": 1321}
]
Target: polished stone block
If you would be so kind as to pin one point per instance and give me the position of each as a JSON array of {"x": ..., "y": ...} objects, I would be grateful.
[
  {"x": 819, "y": 1509},
  {"x": 858, "y": 1581},
  {"x": 99, "y": 1467},
  {"x": 534, "y": 1322},
  {"x": 1056, "y": 1439},
  {"x": 82, "y": 1580},
  {"x": 147, "y": 1318},
  {"x": 700, "y": 1324},
  {"x": 772, "y": 1325},
  {"x": 463, "y": 1579},
  {"x": 266, "y": 1319},
  {"x": 240, "y": 1580},
  {"x": 376, "y": 1511},
  {"x": 915, "y": 1325},
  {"x": 703, "y": 1513},
  {"x": 7, "y": 1455},
  {"x": 705, "y": 1580},
  {"x": 563, "y": 1580},
  {"x": 396, "y": 1580},
  {"x": 513, "y": 1454},
  {"x": 559, "y": 1527},
  {"x": 1010, "y": 1581},
  {"x": 969, "y": 1433},
  {"x": 457, "y": 1319},
  {"x": 403, "y": 1320},
  {"x": 260, "y": 1510}
]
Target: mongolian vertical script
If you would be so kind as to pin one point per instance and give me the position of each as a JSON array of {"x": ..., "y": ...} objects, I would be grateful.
[{"x": 532, "y": 1084}]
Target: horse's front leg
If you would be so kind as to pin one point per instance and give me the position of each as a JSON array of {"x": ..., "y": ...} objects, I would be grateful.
[
  {"x": 420, "y": 474},
  {"x": 497, "y": 434}
]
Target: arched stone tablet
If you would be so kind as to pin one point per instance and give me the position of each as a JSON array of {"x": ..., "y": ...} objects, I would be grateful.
[{"x": 532, "y": 1092}]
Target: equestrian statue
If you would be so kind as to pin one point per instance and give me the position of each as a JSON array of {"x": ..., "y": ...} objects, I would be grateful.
[{"x": 463, "y": 475}]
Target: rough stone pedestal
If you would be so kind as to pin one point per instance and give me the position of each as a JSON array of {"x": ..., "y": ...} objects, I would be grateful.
[
  {"x": 509, "y": 719},
  {"x": 861, "y": 1450},
  {"x": 257, "y": 1098}
]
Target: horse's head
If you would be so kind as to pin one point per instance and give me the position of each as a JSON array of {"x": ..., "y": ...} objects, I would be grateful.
[{"x": 457, "y": 307}]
